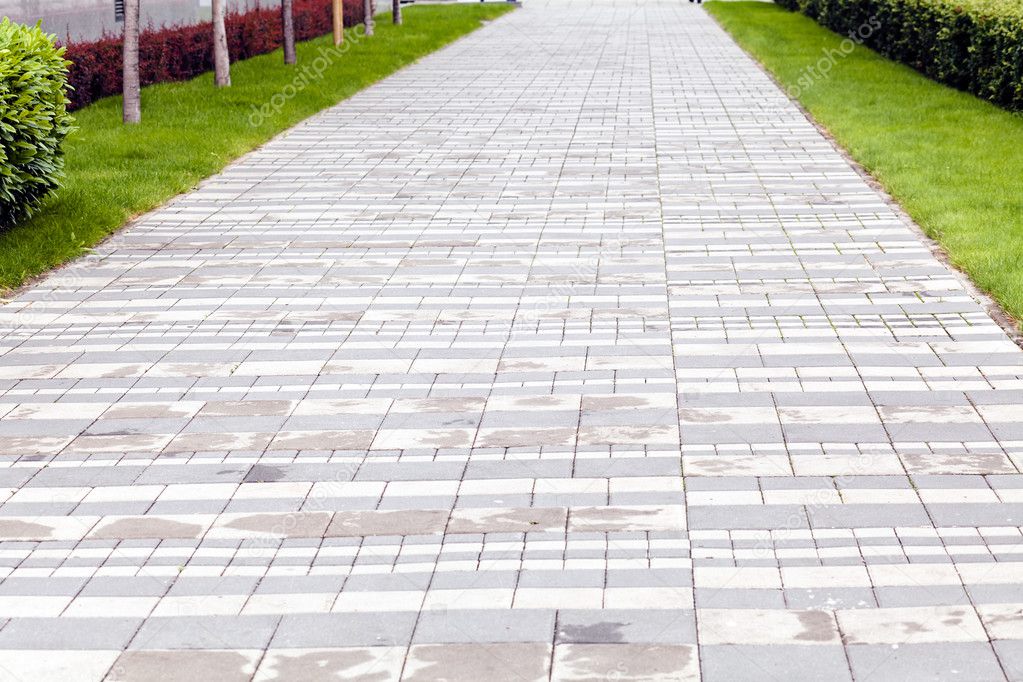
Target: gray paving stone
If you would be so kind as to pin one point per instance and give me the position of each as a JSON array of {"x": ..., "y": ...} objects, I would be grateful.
[
  {"x": 661, "y": 626},
  {"x": 747, "y": 516},
  {"x": 205, "y": 632},
  {"x": 921, "y": 595},
  {"x": 71, "y": 634},
  {"x": 776, "y": 661},
  {"x": 974, "y": 515},
  {"x": 28, "y": 586},
  {"x": 944, "y": 661},
  {"x": 313, "y": 630},
  {"x": 1010, "y": 655},
  {"x": 867, "y": 515},
  {"x": 482, "y": 626}
]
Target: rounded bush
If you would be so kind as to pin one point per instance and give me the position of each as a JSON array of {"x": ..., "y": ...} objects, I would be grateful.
[{"x": 33, "y": 118}]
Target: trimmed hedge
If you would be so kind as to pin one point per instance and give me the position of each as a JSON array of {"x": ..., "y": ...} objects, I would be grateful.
[
  {"x": 973, "y": 45},
  {"x": 34, "y": 118},
  {"x": 180, "y": 53}
]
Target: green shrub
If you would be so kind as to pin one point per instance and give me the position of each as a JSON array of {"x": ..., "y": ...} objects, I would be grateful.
[
  {"x": 33, "y": 118},
  {"x": 973, "y": 45}
]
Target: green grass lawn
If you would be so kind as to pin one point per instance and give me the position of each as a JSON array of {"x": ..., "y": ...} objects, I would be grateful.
[
  {"x": 191, "y": 130},
  {"x": 954, "y": 162}
]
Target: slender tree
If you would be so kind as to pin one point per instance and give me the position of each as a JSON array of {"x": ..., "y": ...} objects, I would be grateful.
[
  {"x": 288, "y": 24},
  {"x": 130, "y": 63},
  {"x": 367, "y": 9},
  {"x": 339, "y": 23},
  {"x": 396, "y": 11},
  {"x": 221, "y": 59}
]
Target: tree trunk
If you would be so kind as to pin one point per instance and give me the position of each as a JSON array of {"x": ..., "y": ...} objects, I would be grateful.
[
  {"x": 339, "y": 22},
  {"x": 288, "y": 23},
  {"x": 367, "y": 9},
  {"x": 221, "y": 59},
  {"x": 396, "y": 11},
  {"x": 130, "y": 63}
]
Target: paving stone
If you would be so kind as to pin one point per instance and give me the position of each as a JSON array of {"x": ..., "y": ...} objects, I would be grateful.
[
  {"x": 921, "y": 595},
  {"x": 71, "y": 666},
  {"x": 304, "y": 631},
  {"x": 68, "y": 634},
  {"x": 465, "y": 662},
  {"x": 778, "y": 661},
  {"x": 377, "y": 663},
  {"x": 170, "y": 666},
  {"x": 946, "y": 661},
  {"x": 205, "y": 632},
  {"x": 625, "y": 662},
  {"x": 610, "y": 626},
  {"x": 1010, "y": 656},
  {"x": 466, "y": 625}
]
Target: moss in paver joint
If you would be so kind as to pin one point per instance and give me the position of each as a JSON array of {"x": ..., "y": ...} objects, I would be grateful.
[
  {"x": 953, "y": 161},
  {"x": 192, "y": 130}
]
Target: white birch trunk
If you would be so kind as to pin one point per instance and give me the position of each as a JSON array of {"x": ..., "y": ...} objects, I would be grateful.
[
  {"x": 221, "y": 59},
  {"x": 130, "y": 64}
]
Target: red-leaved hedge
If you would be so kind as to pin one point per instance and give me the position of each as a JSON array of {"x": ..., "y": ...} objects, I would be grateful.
[{"x": 179, "y": 53}]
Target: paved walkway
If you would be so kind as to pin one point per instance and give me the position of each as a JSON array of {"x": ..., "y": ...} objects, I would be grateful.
[{"x": 402, "y": 395}]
